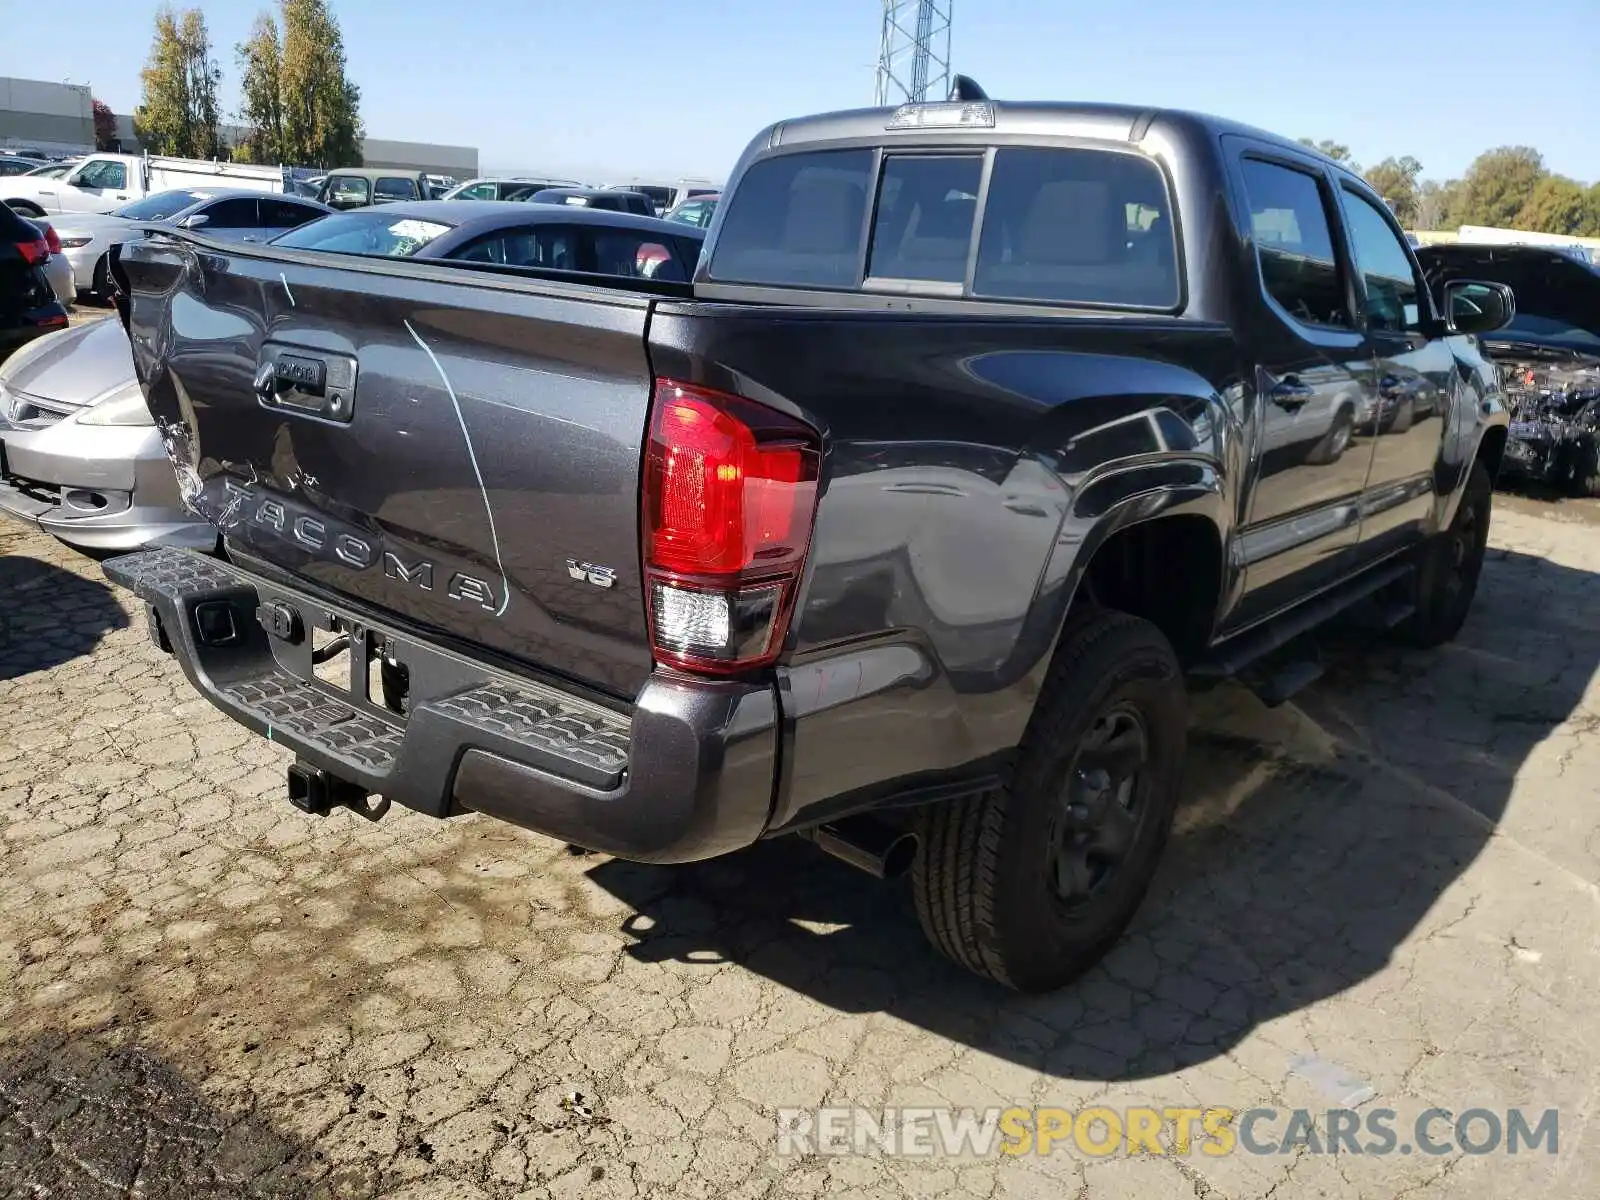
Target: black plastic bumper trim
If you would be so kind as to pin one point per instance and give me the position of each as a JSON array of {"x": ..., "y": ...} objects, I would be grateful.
[{"x": 689, "y": 774}]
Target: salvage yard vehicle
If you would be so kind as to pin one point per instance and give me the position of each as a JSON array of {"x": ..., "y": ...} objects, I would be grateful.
[
  {"x": 228, "y": 213},
  {"x": 80, "y": 455},
  {"x": 503, "y": 233},
  {"x": 29, "y": 307},
  {"x": 1549, "y": 357},
  {"x": 901, "y": 527},
  {"x": 98, "y": 183},
  {"x": 357, "y": 187}
]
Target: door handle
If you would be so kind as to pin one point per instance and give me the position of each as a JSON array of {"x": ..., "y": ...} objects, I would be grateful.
[{"x": 1290, "y": 394}]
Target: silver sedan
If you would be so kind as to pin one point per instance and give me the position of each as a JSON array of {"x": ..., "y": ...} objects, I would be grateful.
[
  {"x": 230, "y": 214},
  {"x": 80, "y": 456}
]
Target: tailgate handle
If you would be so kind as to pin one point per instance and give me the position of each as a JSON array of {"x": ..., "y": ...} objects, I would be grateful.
[{"x": 303, "y": 381}]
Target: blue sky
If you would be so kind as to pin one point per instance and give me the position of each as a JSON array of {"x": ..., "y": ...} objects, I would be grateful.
[{"x": 623, "y": 87}]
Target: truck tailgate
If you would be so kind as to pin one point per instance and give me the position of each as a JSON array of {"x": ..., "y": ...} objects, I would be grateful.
[{"x": 457, "y": 449}]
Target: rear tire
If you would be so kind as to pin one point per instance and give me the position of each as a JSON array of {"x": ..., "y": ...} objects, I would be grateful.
[
  {"x": 25, "y": 209},
  {"x": 1030, "y": 884},
  {"x": 1448, "y": 567}
]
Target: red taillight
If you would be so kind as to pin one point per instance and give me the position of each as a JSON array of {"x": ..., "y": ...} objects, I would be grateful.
[
  {"x": 52, "y": 239},
  {"x": 730, "y": 492},
  {"x": 34, "y": 253}
]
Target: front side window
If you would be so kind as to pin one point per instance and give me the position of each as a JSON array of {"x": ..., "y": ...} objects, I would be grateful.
[
  {"x": 104, "y": 174},
  {"x": 368, "y": 233},
  {"x": 395, "y": 189},
  {"x": 923, "y": 224},
  {"x": 1294, "y": 243},
  {"x": 1391, "y": 282}
]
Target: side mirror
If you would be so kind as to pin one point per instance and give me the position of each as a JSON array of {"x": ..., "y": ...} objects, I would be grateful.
[
  {"x": 196, "y": 221},
  {"x": 1473, "y": 306}
]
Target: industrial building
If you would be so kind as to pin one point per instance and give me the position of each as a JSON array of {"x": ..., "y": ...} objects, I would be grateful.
[{"x": 58, "y": 118}]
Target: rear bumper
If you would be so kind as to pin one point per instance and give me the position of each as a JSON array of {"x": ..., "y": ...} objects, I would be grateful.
[{"x": 688, "y": 774}]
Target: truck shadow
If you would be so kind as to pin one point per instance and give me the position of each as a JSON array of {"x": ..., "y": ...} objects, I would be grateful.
[
  {"x": 50, "y": 616},
  {"x": 1314, "y": 840}
]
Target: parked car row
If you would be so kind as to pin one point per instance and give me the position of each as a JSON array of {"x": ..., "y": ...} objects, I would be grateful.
[{"x": 80, "y": 455}]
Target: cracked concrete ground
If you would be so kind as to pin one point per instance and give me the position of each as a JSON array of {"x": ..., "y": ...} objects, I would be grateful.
[{"x": 204, "y": 993}]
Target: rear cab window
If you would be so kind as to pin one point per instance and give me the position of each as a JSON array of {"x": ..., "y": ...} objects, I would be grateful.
[{"x": 1069, "y": 226}]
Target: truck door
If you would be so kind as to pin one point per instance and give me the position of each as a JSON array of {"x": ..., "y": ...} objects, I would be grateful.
[
  {"x": 1413, "y": 379},
  {"x": 1311, "y": 381},
  {"x": 98, "y": 186}
]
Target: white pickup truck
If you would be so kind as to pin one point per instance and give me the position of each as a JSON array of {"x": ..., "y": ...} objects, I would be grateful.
[{"x": 102, "y": 182}]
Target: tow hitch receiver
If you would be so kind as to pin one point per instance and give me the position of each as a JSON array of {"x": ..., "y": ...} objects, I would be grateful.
[{"x": 315, "y": 791}]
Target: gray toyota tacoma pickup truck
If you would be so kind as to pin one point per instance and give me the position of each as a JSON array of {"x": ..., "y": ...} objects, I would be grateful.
[{"x": 983, "y": 430}]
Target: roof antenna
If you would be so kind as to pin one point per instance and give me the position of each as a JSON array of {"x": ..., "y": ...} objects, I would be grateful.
[{"x": 964, "y": 87}]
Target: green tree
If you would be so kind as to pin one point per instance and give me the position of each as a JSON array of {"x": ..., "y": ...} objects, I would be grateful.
[
  {"x": 178, "y": 113},
  {"x": 321, "y": 106},
  {"x": 1396, "y": 180},
  {"x": 1437, "y": 202},
  {"x": 1338, "y": 151},
  {"x": 1497, "y": 185},
  {"x": 1590, "y": 226},
  {"x": 1556, "y": 205},
  {"x": 261, "y": 84}
]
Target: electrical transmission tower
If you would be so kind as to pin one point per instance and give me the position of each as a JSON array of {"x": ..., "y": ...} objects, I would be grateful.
[{"x": 914, "y": 54}]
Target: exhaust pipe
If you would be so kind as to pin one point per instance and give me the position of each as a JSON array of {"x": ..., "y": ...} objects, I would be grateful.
[{"x": 866, "y": 844}]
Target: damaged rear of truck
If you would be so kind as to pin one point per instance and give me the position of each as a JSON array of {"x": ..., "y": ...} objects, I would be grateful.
[{"x": 981, "y": 426}]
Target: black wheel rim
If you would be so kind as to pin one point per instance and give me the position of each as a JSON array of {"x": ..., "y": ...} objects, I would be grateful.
[
  {"x": 1463, "y": 550},
  {"x": 1101, "y": 809}
]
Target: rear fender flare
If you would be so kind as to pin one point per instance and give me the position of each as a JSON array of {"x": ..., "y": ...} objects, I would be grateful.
[{"x": 1104, "y": 506}]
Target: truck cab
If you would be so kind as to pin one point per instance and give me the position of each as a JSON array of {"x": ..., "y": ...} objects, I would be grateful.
[{"x": 97, "y": 184}]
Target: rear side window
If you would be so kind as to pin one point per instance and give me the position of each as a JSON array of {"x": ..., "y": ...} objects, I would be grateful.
[
  {"x": 796, "y": 221},
  {"x": 286, "y": 214},
  {"x": 1077, "y": 227},
  {"x": 556, "y": 247},
  {"x": 1294, "y": 243},
  {"x": 923, "y": 225}
]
